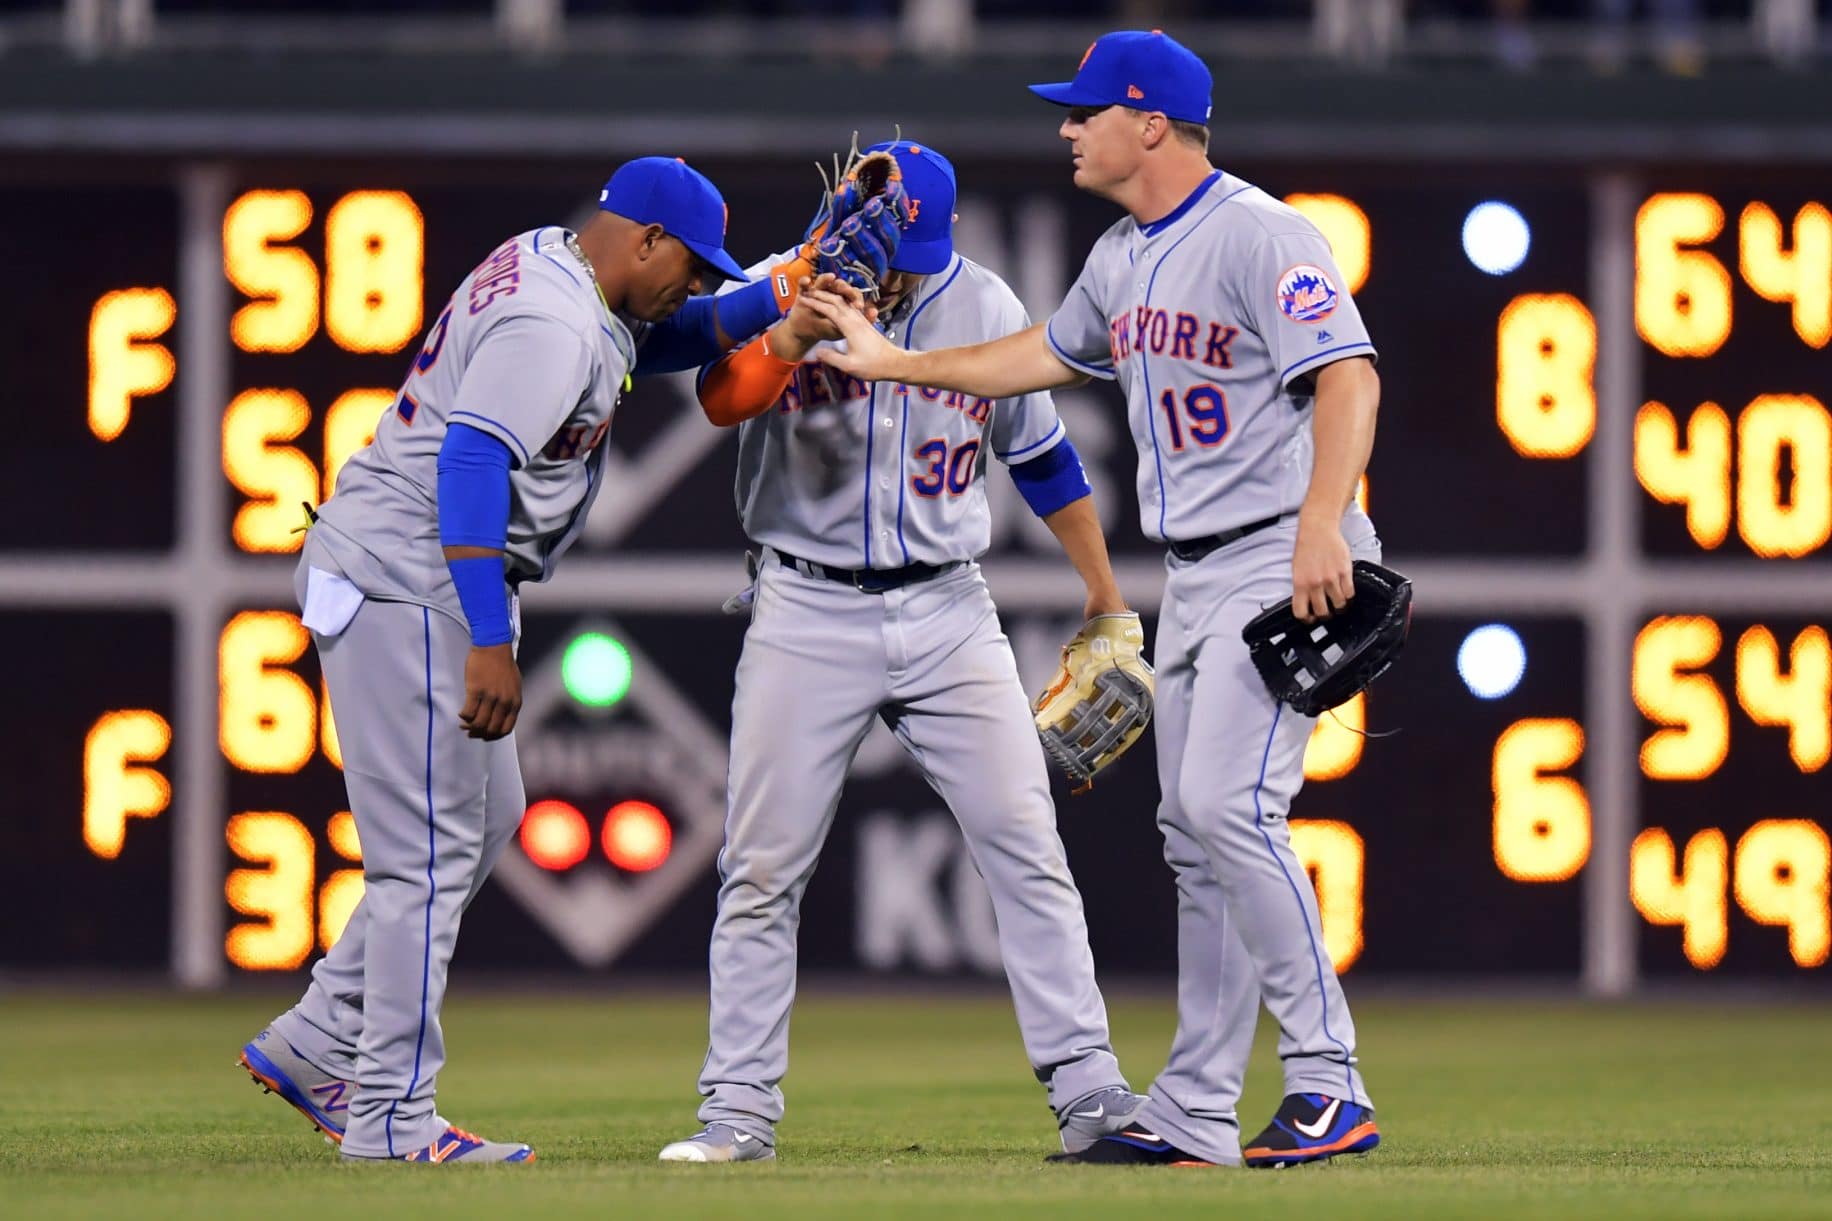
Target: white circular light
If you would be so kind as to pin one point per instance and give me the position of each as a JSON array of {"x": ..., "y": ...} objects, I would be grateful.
[
  {"x": 1491, "y": 661},
  {"x": 1496, "y": 237}
]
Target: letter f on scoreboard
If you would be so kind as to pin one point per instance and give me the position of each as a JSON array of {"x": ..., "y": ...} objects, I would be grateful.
[{"x": 123, "y": 362}]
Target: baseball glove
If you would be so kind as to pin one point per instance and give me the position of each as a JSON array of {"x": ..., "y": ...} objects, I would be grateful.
[
  {"x": 1316, "y": 666},
  {"x": 856, "y": 229},
  {"x": 1100, "y": 700}
]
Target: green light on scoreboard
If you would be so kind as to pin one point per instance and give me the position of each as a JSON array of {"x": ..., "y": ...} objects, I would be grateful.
[{"x": 596, "y": 670}]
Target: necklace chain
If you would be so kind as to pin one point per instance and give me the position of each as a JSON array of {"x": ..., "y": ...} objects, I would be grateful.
[{"x": 591, "y": 273}]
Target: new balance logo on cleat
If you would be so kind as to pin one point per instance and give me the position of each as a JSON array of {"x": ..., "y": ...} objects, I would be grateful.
[
  {"x": 455, "y": 1144},
  {"x": 279, "y": 1069}
]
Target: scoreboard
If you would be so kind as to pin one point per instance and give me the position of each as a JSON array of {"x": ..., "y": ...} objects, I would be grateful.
[{"x": 1605, "y": 456}]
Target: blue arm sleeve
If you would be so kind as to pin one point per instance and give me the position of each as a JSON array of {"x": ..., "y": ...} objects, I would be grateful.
[
  {"x": 473, "y": 489},
  {"x": 1053, "y": 480},
  {"x": 474, "y": 512},
  {"x": 689, "y": 338}
]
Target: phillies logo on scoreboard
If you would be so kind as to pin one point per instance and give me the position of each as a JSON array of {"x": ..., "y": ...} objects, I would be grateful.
[{"x": 1306, "y": 294}]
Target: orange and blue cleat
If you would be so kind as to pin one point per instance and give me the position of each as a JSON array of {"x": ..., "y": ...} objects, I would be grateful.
[
  {"x": 279, "y": 1069},
  {"x": 1312, "y": 1128}
]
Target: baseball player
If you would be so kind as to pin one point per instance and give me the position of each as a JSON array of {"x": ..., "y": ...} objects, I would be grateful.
[
  {"x": 1251, "y": 395},
  {"x": 868, "y": 501},
  {"x": 480, "y": 476}
]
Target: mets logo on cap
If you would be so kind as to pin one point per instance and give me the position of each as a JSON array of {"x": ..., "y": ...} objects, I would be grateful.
[{"x": 1306, "y": 294}]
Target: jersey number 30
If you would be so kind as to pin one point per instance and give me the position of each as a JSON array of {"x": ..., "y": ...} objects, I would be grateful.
[
  {"x": 955, "y": 473},
  {"x": 1206, "y": 409}
]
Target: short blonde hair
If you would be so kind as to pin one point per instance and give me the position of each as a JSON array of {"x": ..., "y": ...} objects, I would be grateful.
[{"x": 1195, "y": 134}]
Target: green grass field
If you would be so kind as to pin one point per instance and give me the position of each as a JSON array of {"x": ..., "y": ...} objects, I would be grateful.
[{"x": 907, "y": 1106}]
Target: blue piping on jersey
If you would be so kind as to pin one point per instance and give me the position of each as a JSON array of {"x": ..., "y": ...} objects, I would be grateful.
[
  {"x": 1176, "y": 214},
  {"x": 495, "y": 429},
  {"x": 903, "y": 447},
  {"x": 1346, "y": 347},
  {"x": 871, "y": 428},
  {"x": 1151, "y": 408},
  {"x": 1011, "y": 457},
  {"x": 573, "y": 272},
  {"x": 909, "y": 337},
  {"x": 1104, "y": 372}
]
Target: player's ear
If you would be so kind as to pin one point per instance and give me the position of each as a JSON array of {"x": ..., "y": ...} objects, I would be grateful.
[
  {"x": 1155, "y": 129},
  {"x": 650, "y": 242}
]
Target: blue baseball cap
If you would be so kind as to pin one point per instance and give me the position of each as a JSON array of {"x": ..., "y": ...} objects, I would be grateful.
[
  {"x": 1146, "y": 70},
  {"x": 666, "y": 191},
  {"x": 928, "y": 178}
]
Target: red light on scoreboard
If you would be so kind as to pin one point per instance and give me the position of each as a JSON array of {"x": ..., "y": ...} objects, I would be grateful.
[
  {"x": 637, "y": 837},
  {"x": 555, "y": 835}
]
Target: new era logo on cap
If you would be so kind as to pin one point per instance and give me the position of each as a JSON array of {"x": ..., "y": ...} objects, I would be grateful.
[{"x": 1110, "y": 71}]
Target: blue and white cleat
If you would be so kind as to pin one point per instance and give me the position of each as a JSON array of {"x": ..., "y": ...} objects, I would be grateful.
[
  {"x": 719, "y": 1142},
  {"x": 1312, "y": 1128},
  {"x": 314, "y": 1093}
]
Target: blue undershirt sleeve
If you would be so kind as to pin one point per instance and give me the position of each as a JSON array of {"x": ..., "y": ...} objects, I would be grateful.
[
  {"x": 1053, "y": 480},
  {"x": 688, "y": 338},
  {"x": 474, "y": 512}
]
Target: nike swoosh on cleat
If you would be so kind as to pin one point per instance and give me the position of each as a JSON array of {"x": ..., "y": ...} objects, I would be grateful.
[
  {"x": 743, "y": 1138},
  {"x": 1143, "y": 1135},
  {"x": 1099, "y": 1112},
  {"x": 1316, "y": 1130}
]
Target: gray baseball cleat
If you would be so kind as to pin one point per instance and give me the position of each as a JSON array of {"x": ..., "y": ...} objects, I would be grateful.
[
  {"x": 1088, "y": 1119},
  {"x": 457, "y": 1145},
  {"x": 719, "y": 1142},
  {"x": 277, "y": 1068}
]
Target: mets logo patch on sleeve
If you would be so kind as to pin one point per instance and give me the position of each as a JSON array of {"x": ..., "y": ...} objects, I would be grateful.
[{"x": 1306, "y": 294}]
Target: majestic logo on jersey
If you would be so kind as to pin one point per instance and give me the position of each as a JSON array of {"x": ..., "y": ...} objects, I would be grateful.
[{"x": 1306, "y": 294}]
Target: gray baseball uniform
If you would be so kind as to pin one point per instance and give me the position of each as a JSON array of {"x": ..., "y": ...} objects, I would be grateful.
[
  {"x": 526, "y": 352},
  {"x": 1214, "y": 320},
  {"x": 854, "y": 475}
]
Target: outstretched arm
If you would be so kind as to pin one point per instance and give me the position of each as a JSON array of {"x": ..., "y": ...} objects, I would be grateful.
[
  {"x": 1015, "y": 364},
  {"x": 746, "y": 383}
]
